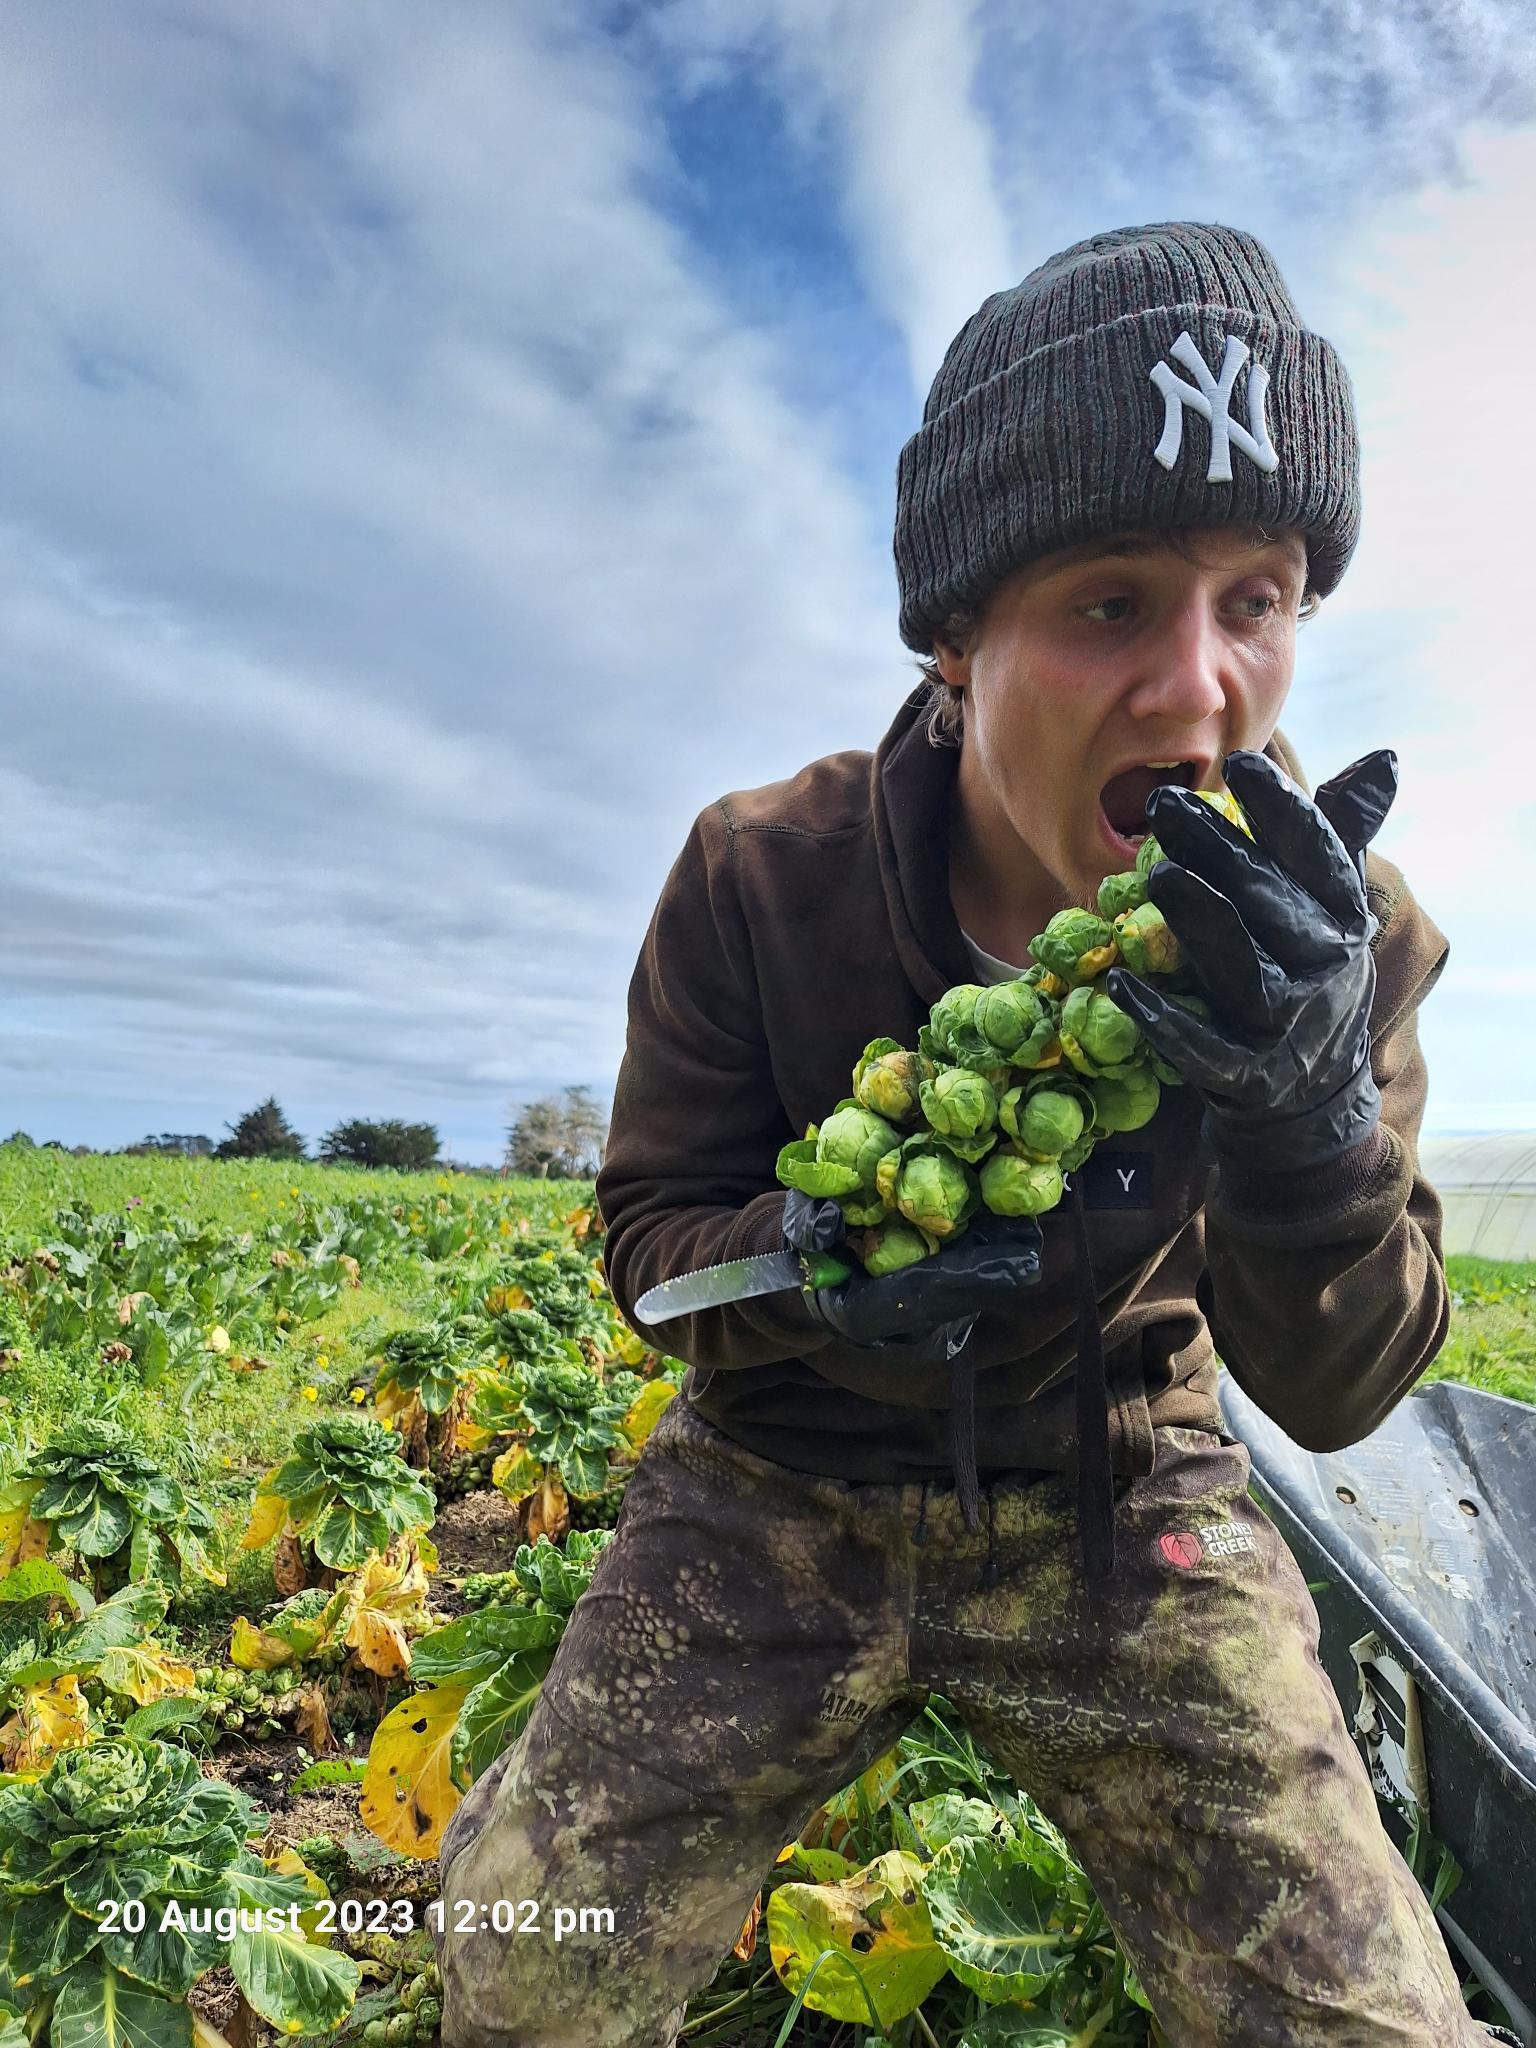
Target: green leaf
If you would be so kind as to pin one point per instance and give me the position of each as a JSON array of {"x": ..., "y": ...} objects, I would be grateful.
[
  {"x": 161, "y": 1715},
  {"x": 103, "y": 1525},
  {"x": 43, "y": 1939},
  {"x": 37, "y": 1577},
  {"x": 123, "y": 1620},
  {"x": 294, "y": 1984},
  {"x": 331, "y": 1770},
  {"x": 98, "y": 2008},
  {"x": 12, "y": 2033},
  {"x": 1003, "y": 1928},
  {"x": 343, "y": 1536},
  {"x": 478, "y": 1644},
  {"x": 495, "y": 1712}
]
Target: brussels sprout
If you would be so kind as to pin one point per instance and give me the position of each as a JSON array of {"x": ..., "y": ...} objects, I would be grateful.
[
  {"x": 1096, "y": 1033},
  {"x": 1148, "y": 854},
  {"x": 855, "y": 1138},
  {"x": 934, "y": 1190},
  {"x": 203, "y": 1676},
  {"x": 234, "y": 1717},
  {"x": 1126, "y": 1104},
  {"x": 1119, "y": 893},
  {"x": 1047, "y": 1122},
  {"x": 951, "y": 1024},
  {"x": 1017, "y": 1020},
  {"x": 959, "y": 1103},
  {"x": 1075, "y": 946},
  {"x": 1146, "y": 941},
  {"x": 376, "y": 2032},
  {"x": 1224, "y": 801},
  {"x": 893, "y": 1245},
  {"x": 1012, "y": 1185},
  {"x": 429, "y": 2015},
  {"x": 862, "y": 1211},
  {"x": 887, "y": 1078},
  {"x": 250, "y": 1695},
  {"x": 1074, "y": 1155}
]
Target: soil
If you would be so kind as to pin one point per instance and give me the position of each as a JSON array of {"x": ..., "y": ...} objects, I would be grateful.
[{"x": 478, "y": 1532}]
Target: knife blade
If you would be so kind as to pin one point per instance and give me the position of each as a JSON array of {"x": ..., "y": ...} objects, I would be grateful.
[{"x": 738, "y": 1280}]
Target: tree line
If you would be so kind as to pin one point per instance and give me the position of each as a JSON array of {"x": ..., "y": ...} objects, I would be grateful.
[{"x": 557, "y": 1137}]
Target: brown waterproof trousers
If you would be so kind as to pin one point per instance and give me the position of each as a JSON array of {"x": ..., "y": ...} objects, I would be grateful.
[{"x": 754, "y": 1637}]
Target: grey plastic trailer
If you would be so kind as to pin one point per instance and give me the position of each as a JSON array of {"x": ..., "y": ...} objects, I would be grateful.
[{"x": 1425, "y": 1537}]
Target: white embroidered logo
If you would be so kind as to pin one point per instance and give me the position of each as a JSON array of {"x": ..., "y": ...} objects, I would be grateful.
[{"x": 1212, "y": 399}]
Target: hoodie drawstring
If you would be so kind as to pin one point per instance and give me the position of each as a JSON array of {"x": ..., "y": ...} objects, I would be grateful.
[
  {"x": 1095, "y": 1478},
  {"x": 920, "y": 1533}
]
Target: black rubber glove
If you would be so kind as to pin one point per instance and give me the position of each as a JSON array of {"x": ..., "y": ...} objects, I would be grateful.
[
  {"x": 924, "y": 1313},
  {"x": 1277, "y": 932}
]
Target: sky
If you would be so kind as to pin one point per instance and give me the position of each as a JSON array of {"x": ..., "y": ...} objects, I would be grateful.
[{"x": 442, "y": 450}]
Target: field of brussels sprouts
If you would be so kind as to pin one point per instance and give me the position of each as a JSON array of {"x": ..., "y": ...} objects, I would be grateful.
[{"x": 302, "y": 1472}]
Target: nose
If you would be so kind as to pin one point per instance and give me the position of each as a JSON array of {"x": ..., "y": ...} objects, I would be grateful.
[{"x": 1184, "y": 666}]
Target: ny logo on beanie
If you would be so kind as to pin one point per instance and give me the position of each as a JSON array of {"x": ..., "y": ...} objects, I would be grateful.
[{"x": 1201, "y": 397}]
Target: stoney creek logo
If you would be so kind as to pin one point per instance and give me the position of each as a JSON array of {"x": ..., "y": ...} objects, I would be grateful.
[
  {"x": 842, "y": 1706},
  {"x": 1186, "y": 1547}
]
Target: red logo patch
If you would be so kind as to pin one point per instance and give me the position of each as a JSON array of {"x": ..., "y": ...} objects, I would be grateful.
[{"x": 1181, "y": 1547}]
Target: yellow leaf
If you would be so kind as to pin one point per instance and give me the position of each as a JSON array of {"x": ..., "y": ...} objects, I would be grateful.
[
  {"x": 408, "y": 1794},
  {"x": 145, "y": 1673},
  {"x": 628, "y": 1348},
  {"x": 252, "y": 1649},
  {"x": 15, "y": 1505},
  {"x": 877, "y": 1925},
  {"x": 379, "y": 1643},
  {"x": 269, "y": 1511},
  {"x": 516, "y": 1473},
  {"x": 646, "y": 1410},
  {"x": 289, "y": 1863},
  {"x": 54, "y": 1717}
]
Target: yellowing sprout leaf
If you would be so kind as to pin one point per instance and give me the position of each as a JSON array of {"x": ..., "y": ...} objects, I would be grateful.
[
  {"x": 516, "y": 1473},
  {"x": 379, "y": 1643},
  {"x": 646, "y": 1410},
  {"x": 53, "y": 1717},
  {"x": 15, "y": 1522},
  {"x": 252, "y": 1649},
  {"x": 628, "y": 1348},
  {"x": 145, "y": 1673},
  {"x": 269, "y": 1511},
  {"x": 408, "y": 1791},
  {"x": 884, "y": 1959}
]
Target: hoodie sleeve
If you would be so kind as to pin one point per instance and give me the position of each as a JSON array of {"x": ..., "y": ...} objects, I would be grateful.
[
  {"x": 688, "y": 1172},
  {"x": 1325, "y": 1289}
]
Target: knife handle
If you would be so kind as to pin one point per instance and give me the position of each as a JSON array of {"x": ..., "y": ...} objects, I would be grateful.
[{"x": 822, "y": 1270}]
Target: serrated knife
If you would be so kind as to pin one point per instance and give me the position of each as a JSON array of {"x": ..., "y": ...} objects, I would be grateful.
[{"x": 739, "y": 1280}]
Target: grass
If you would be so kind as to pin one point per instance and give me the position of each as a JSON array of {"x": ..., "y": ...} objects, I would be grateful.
[{"x": 1492, "y": 1340}]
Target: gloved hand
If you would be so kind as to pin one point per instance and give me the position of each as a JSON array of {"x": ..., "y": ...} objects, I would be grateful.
[
  {"x": 1278, "y": 934},
  {"x": 923, "y": 1314}
]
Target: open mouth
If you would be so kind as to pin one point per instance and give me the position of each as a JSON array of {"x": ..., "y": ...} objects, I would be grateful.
[{"x": 1123, "y": 802}]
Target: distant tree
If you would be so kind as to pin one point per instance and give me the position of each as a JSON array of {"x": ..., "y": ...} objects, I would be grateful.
[
  {"x": 558, "y": 1138},
  {"x": 188, "y": 1145},
  {"x": 21, "y": 1138},
  {"x": 411, "y": 1148},
  {"x": 262, "y": 1133}
]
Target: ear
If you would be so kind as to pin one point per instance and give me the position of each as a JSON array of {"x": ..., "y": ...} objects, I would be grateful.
[{"x": 953, "y": 663}]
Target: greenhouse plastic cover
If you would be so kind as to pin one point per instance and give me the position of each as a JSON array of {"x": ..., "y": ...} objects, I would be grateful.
[{"x": 1487, "y": 1188}]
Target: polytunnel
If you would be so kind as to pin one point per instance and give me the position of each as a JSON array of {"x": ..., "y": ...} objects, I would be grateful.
[{"x": 1487, "y": 1186}]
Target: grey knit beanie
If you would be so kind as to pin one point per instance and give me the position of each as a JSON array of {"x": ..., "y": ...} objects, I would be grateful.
[{"x": 1149, "y": 377}]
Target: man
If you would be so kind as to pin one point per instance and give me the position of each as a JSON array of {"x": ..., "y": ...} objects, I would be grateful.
[{"x": 1103, "y": 548}]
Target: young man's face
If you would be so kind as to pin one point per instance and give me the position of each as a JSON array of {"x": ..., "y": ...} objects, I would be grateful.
[{"x": 1094, "y": 661}]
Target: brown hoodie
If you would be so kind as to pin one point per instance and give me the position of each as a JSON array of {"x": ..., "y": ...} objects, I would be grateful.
[{"x": 807, "y": 917}]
